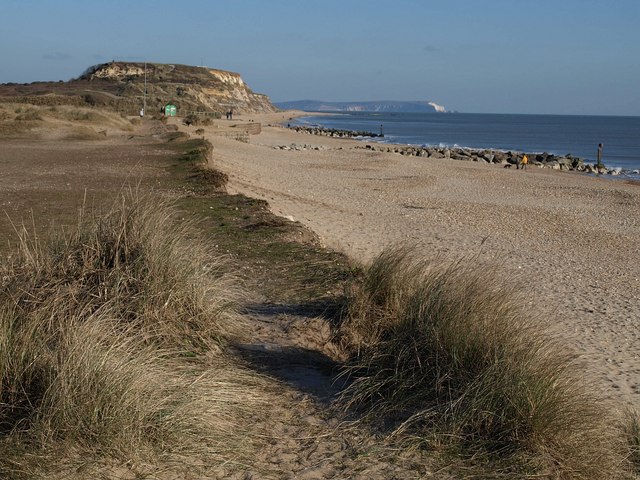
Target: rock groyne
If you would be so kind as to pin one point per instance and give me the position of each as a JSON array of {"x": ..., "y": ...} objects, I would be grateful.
[
  {"x": 335, "y": 132},
  {"x": 507, "y": 158}
]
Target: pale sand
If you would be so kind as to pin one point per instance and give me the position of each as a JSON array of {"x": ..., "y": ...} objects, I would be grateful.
[{"x": 574, "y": 238}]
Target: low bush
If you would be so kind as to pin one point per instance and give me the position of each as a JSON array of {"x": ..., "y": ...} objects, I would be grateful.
[{"x": 447, "y": 352}]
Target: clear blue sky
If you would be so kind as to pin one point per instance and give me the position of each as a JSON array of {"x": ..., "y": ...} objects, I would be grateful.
[{"x": 505, "y": 56}]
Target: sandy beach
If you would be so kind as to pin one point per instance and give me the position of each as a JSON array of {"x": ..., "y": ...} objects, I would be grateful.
[{"x": 573, "y": 239}]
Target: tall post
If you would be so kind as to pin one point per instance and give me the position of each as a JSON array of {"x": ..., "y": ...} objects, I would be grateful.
[
  {"x": 144, "y": 95},
  {"x": 600, "y": 155}
]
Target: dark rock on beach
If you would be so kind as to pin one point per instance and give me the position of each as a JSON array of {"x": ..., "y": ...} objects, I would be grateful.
[{"x": 509, "y": 158}]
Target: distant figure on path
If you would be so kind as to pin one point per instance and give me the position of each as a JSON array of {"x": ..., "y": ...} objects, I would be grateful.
[{"x": 525, "y": 162}]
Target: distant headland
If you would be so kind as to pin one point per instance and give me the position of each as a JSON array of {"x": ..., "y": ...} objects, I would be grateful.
[{"x": 373, "y": 106}]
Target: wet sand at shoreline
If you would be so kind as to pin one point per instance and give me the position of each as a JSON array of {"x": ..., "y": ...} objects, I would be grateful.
[{"x": 573, "y": 239}]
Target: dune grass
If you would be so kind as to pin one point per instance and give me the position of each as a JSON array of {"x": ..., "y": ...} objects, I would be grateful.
[
  {"x": 134, "y": 261},
  {"x": 112, "y": 338},
  {"x": 632, "y": 431},
  {"x": 447, "y": 354}
]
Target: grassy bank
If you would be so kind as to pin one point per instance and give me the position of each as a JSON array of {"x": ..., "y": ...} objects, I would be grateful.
[{"x": 279, "y": 259}]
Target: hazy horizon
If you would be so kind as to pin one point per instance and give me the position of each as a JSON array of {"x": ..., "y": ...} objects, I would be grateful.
[{"x": 496, "y": 56}]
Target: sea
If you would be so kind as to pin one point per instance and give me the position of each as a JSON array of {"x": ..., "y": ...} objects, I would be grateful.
[{"x": 556, "y": 134}]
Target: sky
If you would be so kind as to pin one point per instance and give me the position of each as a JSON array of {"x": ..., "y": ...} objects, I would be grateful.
[{"x": 486, "y": 56}]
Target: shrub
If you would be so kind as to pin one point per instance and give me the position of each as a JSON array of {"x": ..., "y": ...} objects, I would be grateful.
[{"x": 447, "y": 350}]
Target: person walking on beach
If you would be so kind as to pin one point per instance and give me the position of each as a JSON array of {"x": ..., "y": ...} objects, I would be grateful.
[{"x": 525, "y": 162}]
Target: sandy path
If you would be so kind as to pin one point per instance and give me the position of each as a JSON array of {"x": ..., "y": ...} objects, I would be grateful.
[{"x": 574, "y": 239}]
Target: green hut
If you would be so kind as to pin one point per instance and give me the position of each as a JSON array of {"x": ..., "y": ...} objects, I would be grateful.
[{"x": 170, "y": 110}]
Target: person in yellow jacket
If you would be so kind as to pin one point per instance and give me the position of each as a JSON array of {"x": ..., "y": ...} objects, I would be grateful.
[{"x": 525, "y": 162}]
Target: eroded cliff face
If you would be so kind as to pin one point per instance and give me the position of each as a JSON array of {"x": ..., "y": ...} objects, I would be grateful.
[
  {"x": 115, "y": 71},
  {"x": 190, "y": 88}
]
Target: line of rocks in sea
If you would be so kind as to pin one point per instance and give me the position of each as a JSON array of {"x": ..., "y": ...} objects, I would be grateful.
[
  {"x": 506, "y": 158},
  {"x": 334, "y": 132},
  {"x": 500, "y": 157}
]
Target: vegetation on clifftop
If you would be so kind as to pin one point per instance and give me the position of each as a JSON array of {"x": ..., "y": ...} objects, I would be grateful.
[{"x": 120, "y": 86}]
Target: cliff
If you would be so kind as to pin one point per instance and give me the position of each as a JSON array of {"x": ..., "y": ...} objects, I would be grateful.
[
  {"x": 121, "y": 85},
  {"x": 379, "y": 106}
]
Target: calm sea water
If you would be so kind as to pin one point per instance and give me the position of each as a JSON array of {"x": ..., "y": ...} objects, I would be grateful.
[{"x": 557, "y": 134}]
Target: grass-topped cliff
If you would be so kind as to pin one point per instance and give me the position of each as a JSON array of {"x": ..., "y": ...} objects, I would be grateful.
[{"x": 120, "y": 86}]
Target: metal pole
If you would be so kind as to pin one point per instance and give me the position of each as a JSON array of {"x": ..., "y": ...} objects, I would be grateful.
[{"x": 144, "y": 96}]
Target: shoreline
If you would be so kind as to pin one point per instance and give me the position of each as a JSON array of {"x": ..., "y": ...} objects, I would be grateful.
[
  {"x": 573, "y": 239},
  {"x": 506, "y": 158},
  {"x": 581, "y": 163}
]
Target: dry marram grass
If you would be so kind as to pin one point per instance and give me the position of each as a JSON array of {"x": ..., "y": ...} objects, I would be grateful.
[
  {"x": 445, "y": 352},
  {"x": 111, "y": 341}
]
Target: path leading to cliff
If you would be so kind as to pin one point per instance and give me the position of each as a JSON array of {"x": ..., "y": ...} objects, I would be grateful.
[{"x": 575, "y": 240}]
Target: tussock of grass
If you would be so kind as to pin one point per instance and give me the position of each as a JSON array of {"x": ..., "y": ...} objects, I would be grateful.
[
  {"x": 632, "y": 431},
  {"x": 134, "y": 261},
  {"x": 445, "y": 352},
  {"x": 109, "y": 345},
  {"x": 28, "y": 115}
]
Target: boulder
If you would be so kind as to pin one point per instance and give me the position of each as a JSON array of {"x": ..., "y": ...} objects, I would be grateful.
[
  {"x": 554, "y": 164},
  {"x": 500, "y": 157},
  {"x": 577, "y": 163},
  {"x": 565, "y": 162}
]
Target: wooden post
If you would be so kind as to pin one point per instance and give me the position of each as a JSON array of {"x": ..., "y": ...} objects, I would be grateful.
[{"x": 600, "y": 155}]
